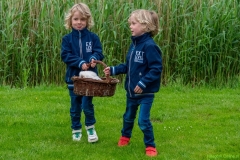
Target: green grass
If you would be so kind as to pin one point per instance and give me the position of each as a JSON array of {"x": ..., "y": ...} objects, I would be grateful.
[{"x": 189, "y": 123}]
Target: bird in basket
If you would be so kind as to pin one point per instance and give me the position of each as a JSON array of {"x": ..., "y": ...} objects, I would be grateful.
[{"x": 89, "y": 74}]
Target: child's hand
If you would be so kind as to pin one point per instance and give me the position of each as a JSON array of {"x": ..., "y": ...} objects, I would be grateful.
[
  {"x": 107, "y": 71},
  {"x": 84, "y": 67},
  {"x": 93, "y": 64},
  {"x": 137, "y": 89}
]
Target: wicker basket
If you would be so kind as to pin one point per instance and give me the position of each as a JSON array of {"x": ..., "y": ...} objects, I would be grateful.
[{"x": 96, "y": 88}]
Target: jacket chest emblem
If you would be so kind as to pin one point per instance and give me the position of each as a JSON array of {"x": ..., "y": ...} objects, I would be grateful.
[
  {"x": 89, "y": 46},
  {"x": 139, "y": 57}
]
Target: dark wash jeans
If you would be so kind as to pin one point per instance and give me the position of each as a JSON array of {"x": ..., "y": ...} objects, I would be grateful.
[
  {"x": 145, "y": 103},
  {"x": 79, "y": 104}
]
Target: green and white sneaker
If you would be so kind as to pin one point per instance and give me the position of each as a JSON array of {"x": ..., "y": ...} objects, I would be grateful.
[
  {"x": 76, "y": 135},
  {"x": 92, "y": 135}
]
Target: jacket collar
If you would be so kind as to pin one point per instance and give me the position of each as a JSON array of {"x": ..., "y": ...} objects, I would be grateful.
[
  {"x": 140, "y": 39},
  {"x": 76, "y": 32}
]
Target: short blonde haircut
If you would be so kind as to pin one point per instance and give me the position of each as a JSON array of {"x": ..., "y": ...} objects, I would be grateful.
[
  {"x": 84, "y": 10},
  {"x": 149, "y": 20}
]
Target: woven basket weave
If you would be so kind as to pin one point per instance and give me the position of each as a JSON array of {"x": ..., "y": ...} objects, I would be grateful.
[{"x": 96, "y": 88}]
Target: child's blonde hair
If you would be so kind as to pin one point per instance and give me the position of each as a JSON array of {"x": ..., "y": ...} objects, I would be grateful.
[
  {"x": 149, "y": 19},
  {"x": 84, "y": 10}
]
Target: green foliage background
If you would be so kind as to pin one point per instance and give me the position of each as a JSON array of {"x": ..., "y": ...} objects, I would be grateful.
[{"x": 200, "y": 39}]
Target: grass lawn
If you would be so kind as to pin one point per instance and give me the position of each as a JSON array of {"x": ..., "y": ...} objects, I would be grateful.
[{"x": 189, "y": 124}]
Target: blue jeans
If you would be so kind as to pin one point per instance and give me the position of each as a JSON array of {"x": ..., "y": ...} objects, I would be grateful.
[
  {"x": 79, "y": 104},
  {"x": 143, "y": 119}
]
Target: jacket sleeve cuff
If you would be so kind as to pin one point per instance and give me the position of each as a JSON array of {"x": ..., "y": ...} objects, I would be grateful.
[
  {"x": 112, "y": 71},
  {"x": 92, "y": 57},
  {"x": 141, "y": 85},
  {"x": 81, "y": 63}
]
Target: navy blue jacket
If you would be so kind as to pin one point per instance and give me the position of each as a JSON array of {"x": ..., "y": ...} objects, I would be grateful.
[
  {"x": 78, "y": 47},
  {"x": 143, "y": 66}
]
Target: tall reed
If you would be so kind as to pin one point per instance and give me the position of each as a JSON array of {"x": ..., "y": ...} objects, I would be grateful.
[{"x": 199, "y": 39}]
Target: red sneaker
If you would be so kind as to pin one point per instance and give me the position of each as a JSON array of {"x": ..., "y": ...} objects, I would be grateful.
[
  {"x": 151, "y": 151},
  {"x": 123, "y": 141}
]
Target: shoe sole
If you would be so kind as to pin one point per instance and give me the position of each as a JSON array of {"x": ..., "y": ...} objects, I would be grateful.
[
  {"x": 151, "y": 155},
  {"x": 92, "y": 140}
]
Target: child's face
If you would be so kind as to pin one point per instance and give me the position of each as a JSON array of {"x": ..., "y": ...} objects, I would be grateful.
[
  {"x": 135, "y": 27},
  {"x": 78, "y": 21}
]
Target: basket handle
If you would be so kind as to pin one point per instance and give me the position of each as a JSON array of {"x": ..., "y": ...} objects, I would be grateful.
[{"x": 104, "y": 65}]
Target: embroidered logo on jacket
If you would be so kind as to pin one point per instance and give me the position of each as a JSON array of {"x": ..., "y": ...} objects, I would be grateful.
[
  {"x": 139, "y": 57},
  {"x": 89, "y": 46}
]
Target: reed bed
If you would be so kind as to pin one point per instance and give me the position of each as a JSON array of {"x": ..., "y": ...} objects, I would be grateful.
[{"x": 200, "y": 39}]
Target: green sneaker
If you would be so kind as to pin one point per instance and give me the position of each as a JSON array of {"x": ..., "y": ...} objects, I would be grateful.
[
  {"x": 92, "y": 135},
  {"x": 76, "y": 135}
]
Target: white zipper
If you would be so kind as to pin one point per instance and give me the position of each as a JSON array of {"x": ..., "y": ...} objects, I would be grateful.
[
  {"x": 129, "y": 79},
  {"x": 80, "y": 44}
]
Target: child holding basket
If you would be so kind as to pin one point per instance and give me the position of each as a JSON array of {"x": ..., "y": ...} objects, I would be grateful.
[
  {"x": 79, "y": 48},
  {"x": 143, "y": 70}
]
